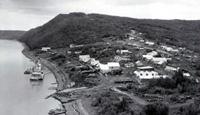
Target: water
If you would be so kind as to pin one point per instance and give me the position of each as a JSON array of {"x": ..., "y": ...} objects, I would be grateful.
[{"x": 18, "y": 95}]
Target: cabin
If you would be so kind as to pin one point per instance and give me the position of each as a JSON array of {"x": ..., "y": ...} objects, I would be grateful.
[
  {"x": 171, "y": 69},
  {"x": 113, "y": 65},
  {"x": 120, "y": 58},
  {"x": 159, "y": 60},
  {"x": 84, "y": 58},
  {"x": 149, "y": 43},
  {"x": 169, "y": 49},
  {"x": 104, "y": 68},
  {"x": 75, "y": 46},
  {"x": 123, "y": 52},
  {"x": 94, "y": 62},
  {"x": 109, "y": 67},
  {"x": 45, "y": 49},
  {"x": 146, "y": 72}
]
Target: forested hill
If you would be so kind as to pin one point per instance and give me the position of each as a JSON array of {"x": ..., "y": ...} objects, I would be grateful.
[
  {"x": 10, "y": 35},
  {"x": 80, "y": 28}
]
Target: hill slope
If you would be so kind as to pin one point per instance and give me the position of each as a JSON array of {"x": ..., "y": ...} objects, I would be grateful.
[
  {"x": 80, "y": 28},
  {"x": 11, "y": 35}
]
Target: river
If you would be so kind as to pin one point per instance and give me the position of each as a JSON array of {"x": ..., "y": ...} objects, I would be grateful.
[{"x": 18, "y": 95}]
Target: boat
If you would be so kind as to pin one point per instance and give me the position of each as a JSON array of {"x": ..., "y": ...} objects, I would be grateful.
[
  {"x": 56, "y": 112},
  {"x": 37, "y": 76},
  {"x": 28, "y": 71}
]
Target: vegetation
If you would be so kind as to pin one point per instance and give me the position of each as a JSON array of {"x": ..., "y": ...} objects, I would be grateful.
[
  {"x": 109, "y": 103},
  {"x": 80, "y": 28},
  {"x": 156, "y": 109},
  {"x": 178, "y": 82}
]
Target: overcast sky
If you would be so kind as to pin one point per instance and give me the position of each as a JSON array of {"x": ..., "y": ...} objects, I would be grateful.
[{"x": 27, "y": 14}]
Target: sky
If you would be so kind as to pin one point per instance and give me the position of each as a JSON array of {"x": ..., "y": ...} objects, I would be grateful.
[{"x": 27, "y": 14}]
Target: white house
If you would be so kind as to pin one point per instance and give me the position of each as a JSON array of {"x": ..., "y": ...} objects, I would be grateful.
[
  {"x": 84, "y": 58},
  {"x": 119, "y": 58},
  {"x": 94, "y": 62},
  {"x": 146, "y": 74},
  {"x": 170, "y": 68},
  {"x": 123, "y": 51},
  {"x": 159, "y": 60},
  {"x": 170, "y": 49},
  {"x": 153, "y": 53},
  {"x": 45, "y": 48},
  {"x": 113, "y": 65},
  {"x": 104, "y": 68},
  {"x": 75, "y": 46},
  {"x": 139, "y": 63},
  {"x": 149, "y": 43}
]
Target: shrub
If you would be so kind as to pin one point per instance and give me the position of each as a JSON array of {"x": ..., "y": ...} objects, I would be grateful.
[{"x": 156, "y": 109}]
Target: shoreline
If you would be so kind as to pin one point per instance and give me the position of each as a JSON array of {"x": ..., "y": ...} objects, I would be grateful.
[{"x": 52, "y": 68}]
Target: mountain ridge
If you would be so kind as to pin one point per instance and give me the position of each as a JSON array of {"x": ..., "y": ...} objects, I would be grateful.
[{"x": 81, "y": 28}]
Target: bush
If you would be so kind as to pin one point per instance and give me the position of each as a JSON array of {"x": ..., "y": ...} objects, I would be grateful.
[{"x": 156, "y": 109}]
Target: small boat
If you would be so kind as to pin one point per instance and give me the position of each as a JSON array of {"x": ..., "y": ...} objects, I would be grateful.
[
  {"x": 28, "y": 71},
  {"x": 37, "y": 76},
  {"x": 56, "y": 112}
]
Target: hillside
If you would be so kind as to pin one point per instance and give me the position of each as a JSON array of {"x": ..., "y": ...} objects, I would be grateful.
[
  {"x": 80, "y": 28},
  {"x": 10, "y": 35}
]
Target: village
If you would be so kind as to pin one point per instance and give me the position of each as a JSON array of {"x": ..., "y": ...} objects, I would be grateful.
[{"x": 139, "y": 68}]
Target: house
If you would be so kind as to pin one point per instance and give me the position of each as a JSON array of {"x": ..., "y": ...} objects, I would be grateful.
[
  {"x": 153, "y": 53},
  {"x": 84, "y": 58},
  {"x": 109, "y": 67},
  {"x": 75, "y": 46},
  {"x": 146, "y": 72},
  {"x": 156, "y": 60},
  {"x": 169, "y": 49},
  {"x": 149, "y": 43},
  {"x": 123, "y": 51},
  {"x": 129, "y": 65},
  {"x": 94, "y": 62},
  {"x": 148, "y": 57},
  {"x": 170, "y": 69},
  {"x": 159, "y": 60},
  {"x": 46, "y": 49},
  {"x": 139, "y": 63},
  {"x": 119, "y": 58},
  {"x": 104, "y": 68},
  {"x": 113, "y": 65},
  {"x": 77, "y": 52}
]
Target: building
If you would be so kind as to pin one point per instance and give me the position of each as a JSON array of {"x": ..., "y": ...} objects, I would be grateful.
[
  {"x": 159, "y": 60},
  {"x": 94, "y": 62},
  {"x": 153, "y": 53},
  {"x": 149, "y": 43},
  {"x": 169, "y": 49},
  {"x": 75, "y": 46},
  {"x": 84, "y": 58},
  {"x": 123, "y": 51},
  {"x": 46, "y": 49},
  {"x": 146, "y": 72},
  {"x": 113, "y": 65},
  {"x": 110, "y": 66},
  {"x": 170, "y": 69},
  {"x": 156, "y": 60},
  {"x": 139, "y": 63},
  {"x": 104, "y": 68},
  {"x": 119, "y": 58}
]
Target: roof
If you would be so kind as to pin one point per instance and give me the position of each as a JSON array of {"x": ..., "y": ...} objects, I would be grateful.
[
  {"x": 145, "y": 68},
  {"x": 113, "y": 64}
]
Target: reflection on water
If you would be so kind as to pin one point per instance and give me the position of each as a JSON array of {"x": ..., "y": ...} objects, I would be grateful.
[{"x": 18, "y": 95}]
